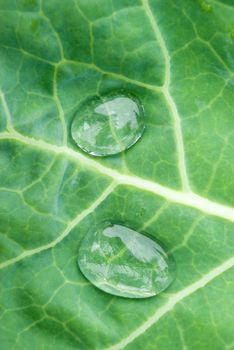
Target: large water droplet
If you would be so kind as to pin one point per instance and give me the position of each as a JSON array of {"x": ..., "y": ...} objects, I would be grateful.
[
  {"x": 121, "y": 261},
  {"x": 108, "y": 125}
]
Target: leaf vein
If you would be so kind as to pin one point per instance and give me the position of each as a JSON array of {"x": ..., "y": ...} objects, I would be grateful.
[
  {"x": 65, "y": 233},
  {"x": 189, "y": 199},
  {"x": 170, "y": 101},
  {"x": 173, "y": 300}
]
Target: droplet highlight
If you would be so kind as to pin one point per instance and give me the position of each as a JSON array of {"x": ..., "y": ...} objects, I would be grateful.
[
  {"x": 108, "y": 125},
  {"x": 124, "y": 262}
]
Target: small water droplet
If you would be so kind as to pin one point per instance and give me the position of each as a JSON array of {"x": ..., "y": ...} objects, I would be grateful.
[
  {"x": 205, "y": 6},
  {"x": 124, "y": 262},
  {"x": 108, "y": 125}
]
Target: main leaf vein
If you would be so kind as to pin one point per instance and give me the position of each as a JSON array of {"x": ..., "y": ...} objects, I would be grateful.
[{"x": 189, "y": 199}]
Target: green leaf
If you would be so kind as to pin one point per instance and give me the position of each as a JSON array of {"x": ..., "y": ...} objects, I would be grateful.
[{"x": 176, "y": 183}]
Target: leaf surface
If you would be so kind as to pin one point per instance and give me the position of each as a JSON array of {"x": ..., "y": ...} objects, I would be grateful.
[{"x": 176, "y": 183}]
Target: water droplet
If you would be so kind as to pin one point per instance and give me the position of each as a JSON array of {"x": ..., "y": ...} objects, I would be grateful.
[
  {"x": 124, "y": 262},
  {"x": 108, "y": 125},
  {"x": 205, "y": 6}
]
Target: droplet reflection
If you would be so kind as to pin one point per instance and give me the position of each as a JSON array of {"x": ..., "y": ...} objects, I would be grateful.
[
  {"x": 124, "y": 262},
  {"x": 108, "y": 125}
]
